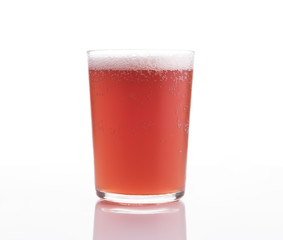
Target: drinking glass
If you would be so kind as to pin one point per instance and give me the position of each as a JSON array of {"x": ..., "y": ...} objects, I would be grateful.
[{"x": 140, "y": 108}]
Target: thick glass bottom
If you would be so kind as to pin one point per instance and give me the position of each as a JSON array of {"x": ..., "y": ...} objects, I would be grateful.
[{"x": 140, "y": 199}]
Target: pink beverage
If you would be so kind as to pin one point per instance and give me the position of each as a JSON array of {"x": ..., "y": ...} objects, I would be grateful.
[{"x": 140, "y": 113}]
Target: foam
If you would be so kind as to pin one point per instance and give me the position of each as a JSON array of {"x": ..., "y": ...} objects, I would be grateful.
[{"x": 140, "y": 60}]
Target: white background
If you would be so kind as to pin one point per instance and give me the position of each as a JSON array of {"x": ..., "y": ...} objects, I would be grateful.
[{"x": 235, "y": 160}]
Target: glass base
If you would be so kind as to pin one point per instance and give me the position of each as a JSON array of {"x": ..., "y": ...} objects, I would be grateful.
[{"x": 140, "y": 199}]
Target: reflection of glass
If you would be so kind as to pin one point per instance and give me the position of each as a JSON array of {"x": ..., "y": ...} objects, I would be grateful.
[
  {"x": 140, "y": 104},
  {"x": 139, "y": 222}
]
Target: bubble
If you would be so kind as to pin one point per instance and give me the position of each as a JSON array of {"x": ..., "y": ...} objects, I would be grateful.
[
  {"x": 186, "y": 127},
  {"x": 186, "y": 108}
]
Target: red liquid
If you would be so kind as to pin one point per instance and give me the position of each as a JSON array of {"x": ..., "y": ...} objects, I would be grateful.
[{"x": 140, "y": 130}]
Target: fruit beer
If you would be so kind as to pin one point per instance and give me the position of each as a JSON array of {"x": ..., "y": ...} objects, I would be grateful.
[{"x": 140, "y": 121}]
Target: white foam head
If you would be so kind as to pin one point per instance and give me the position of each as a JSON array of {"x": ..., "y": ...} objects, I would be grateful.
[{"x": 140, "y": 60}]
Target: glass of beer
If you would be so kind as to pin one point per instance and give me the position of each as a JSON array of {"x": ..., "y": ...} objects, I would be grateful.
[{"x": 140, "y": 107}]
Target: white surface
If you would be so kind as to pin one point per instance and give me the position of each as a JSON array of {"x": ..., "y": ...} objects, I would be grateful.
[{"x": 235, "y": 161}]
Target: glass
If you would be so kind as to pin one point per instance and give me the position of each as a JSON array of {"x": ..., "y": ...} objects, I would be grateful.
[
  {"x": 140, "y": 106},
  {"x": 121, "y": 222}
]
